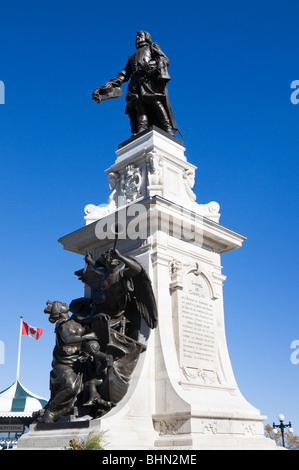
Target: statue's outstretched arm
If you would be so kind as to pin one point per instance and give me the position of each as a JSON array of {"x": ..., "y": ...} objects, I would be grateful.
[
  {"x": 112, "y": 88},
  {"x": 131, "y": 267},
  {"x": 122, "y": 76},
  {"x": 91, "y": 262}
]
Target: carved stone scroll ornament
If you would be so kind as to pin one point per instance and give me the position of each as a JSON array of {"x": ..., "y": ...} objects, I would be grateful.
[
  {"x": 201, "y": 376},
  {"x": 175, "y": 266},
  {"x": 168, "y": 427},
  {"x": 209, "y": 427},
  {"x": 93, "y": 212},
  {"x": 130, "y": 184},
  {"x": 249, "y": 428}
]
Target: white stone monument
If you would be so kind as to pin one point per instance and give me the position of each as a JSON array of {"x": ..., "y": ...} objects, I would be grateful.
[{"x": 183, "y": 394}]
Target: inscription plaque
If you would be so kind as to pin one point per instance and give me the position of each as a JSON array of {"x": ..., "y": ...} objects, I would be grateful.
[{"x": 197, "y": 325}]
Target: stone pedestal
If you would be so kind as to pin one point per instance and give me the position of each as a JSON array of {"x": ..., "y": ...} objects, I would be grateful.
[{"x": 183, "y": 394}]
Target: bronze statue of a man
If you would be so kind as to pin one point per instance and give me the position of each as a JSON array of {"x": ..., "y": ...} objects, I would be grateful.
[{"x": 147, "y": 100}]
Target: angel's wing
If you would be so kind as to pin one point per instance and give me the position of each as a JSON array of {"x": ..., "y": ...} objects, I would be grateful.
[{"x": 144, "y": 299}]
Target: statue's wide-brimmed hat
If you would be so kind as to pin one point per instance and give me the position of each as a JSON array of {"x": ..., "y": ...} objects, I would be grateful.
[{"x": 106, "y": 92}]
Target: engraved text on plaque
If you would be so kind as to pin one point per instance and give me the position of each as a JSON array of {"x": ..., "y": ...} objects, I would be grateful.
[{"x": 197, "y": 324}]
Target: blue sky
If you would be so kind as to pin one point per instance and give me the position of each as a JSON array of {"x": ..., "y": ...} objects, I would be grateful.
[{"x": 232, "y": 64}]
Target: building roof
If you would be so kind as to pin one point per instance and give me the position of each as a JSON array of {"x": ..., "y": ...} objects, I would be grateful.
[{"x": 17, "y": 401}]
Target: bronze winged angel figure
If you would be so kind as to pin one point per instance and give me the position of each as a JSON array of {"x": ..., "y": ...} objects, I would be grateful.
[
  {"x": 98, "y": 346},
  {"x": 124, "y": 294},
  {"x": 121, "y": 297}
]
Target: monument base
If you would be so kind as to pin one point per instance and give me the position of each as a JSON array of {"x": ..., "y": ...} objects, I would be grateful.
[
  {"x": 134, "y": 423},
  {"x": 182, "y": 394},
  {"x": 55, "y": 436}
]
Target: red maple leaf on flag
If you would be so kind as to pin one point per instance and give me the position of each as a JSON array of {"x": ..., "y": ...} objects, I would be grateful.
[{"x": 31, "y": 331}]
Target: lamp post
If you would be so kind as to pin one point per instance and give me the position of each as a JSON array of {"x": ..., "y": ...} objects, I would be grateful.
[{"x": 282, "y": 427}]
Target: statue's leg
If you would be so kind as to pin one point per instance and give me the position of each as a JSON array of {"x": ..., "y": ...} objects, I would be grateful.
[
  {"x": 58, "y": 405},
  {"x": 162, "y": 117},
  {"x": 133, "y": 125},
  {"x": 131, "y": 111},
  {"x": 67, "y": 384},
  {"x": 93, "y": 393},
  {"x": 142, "y": 120}
]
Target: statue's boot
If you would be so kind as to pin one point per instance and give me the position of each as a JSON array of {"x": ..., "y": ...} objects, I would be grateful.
[
  {"x": 163, "y": 118},
  {"x": 49, "y": 417},
  {"x": 142, "y": 123}
]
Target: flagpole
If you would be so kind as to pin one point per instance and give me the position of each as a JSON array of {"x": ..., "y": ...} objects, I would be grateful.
[{"x": 19, "y": 352}]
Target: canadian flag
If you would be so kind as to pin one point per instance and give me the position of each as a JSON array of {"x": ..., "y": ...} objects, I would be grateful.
[{"x": 31, "y": 331}]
